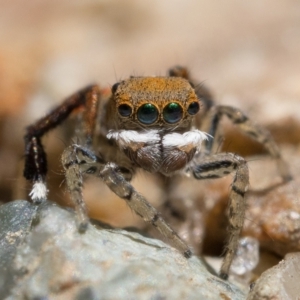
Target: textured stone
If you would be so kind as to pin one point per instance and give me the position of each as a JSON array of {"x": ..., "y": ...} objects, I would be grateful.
[
  {"x": 53, "y": 260},
  {"x": 279, "y": 282},
  {"x": 15, "y": 222},
  {"x": 273, "y": 213}
]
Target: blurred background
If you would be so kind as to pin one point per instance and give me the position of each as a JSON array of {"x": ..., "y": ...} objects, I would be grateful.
[{"x": 246, "y": 52}]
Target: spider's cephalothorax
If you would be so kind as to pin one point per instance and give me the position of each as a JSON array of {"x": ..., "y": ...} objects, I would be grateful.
[
  {"x": 150, "y": 120},
  {"x": 151, "y": 123}
]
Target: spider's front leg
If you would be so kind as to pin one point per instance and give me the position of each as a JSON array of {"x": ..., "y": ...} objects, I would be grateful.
[
  {"x": 219, "y": 165},
  {"x": 35, "y": 157},
  {"x": 251, "y": 129},
  {"x": 78, "y": 160}
]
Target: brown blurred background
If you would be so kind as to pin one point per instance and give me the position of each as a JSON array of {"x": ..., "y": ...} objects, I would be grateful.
[{"x": 246, "y": 52}]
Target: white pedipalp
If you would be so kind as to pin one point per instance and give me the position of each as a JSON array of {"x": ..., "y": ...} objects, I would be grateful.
[
  {"x": 125, "y": 138},
  {"x": 194, "y": 138}
]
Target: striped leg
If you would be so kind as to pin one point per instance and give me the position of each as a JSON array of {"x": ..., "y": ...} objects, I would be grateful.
[
  {"x": 77, "y": 160},
  {"x": 217, "y": 166},
  {"x": 253, "y": 130}
]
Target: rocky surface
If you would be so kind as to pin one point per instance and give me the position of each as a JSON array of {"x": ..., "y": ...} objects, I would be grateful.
[
  {"x": 273, "y": 213},
  {"x": 15, "y": 224},
  {"x": 44, "y": 257},
  {"x": 279, "y": 282}
]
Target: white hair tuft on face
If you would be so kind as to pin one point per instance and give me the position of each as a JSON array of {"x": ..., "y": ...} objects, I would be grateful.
[
  {"x": 126, "y": 137},
  {"x": 194, "y": 137},
  {"x": 39, "y": 192}
]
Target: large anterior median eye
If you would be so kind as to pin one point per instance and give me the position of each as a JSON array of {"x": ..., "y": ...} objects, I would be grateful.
[
  {"x": 193, "y": 108},
  {"x": 172, "y": 113},
  {"x": 147, "y": 113},
  {"x": 124, "y": 110}
]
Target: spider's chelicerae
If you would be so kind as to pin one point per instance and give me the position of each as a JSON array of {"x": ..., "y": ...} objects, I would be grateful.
[{"x": 151, "y": 123}]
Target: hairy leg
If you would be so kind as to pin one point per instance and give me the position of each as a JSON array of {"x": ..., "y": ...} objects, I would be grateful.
[
  {"x": 78, "y": 160},
  {"x": 251, "y": 129},
  {"x": 220, "y": 165},
  {"x": 35, "y": 157}
]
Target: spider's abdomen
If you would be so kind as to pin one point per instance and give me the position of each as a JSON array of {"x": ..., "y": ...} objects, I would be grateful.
[{"x": 154, "y": 152}]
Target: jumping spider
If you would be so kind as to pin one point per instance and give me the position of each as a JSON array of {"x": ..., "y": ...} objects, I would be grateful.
[{"x": 150, "y": 123}]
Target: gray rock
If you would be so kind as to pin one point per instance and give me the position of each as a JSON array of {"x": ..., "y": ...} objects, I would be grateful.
[
  {"x": 279, "y": 282},
  {"x": 43, "y": 256},
  {"x": 15, "y": 222}
]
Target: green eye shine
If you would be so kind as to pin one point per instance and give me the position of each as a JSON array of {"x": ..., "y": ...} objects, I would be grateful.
[
  {"x": 147, "y": 114},
  {"x": 172, "y": 113},
  {"x": 193, "y": 108},
  {"x": 124, "y": 110}
]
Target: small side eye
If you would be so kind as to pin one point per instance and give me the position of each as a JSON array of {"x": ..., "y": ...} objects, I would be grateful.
[
  {"x": 147, "y": 114},
  {"x": 193, "y": 108},
  {"x": 124, "y": 110},
  {"x": 114, "y": 87},
  {"x": 172, "y": 113}
]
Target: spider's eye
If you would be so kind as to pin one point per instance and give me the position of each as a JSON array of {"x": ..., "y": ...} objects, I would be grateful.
[
  {"x": 124, "y": 110},
  {"x": 147, "y": 114},
  {"x": 172, "y": 113},
  {"x": 193, "y": 108},
  {"x": 114, "y": 87}
]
